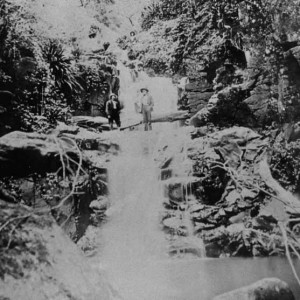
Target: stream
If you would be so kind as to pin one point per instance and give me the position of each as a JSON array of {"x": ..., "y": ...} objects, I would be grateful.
[{"x": 134, "y": 252}]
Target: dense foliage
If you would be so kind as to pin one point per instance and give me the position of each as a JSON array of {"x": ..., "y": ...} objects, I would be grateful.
[
  {"x": 204, "y": 26},
  {"x": 42, "y": 51}
]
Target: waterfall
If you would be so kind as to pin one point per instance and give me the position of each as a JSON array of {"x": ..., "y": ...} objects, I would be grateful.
[
  {"x": 134, "y": 243},
  {"x": 133, "y": 240}
]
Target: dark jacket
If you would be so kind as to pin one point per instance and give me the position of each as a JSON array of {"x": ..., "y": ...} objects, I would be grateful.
[{"x": 112, "y": 108}]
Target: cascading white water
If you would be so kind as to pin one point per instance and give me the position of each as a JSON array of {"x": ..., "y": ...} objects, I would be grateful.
[
  {"x": 134, "y": 244},
  {"x": 182, "y": 180}
]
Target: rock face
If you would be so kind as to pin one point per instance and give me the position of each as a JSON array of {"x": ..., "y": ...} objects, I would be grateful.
[
  {"x": 219, "y": 198},
  {"x": 252, "y": 97},
  {"x": 38, "y": 261},
  {"x": 259, "y": 101},
  {"x": 195, "y": 95},
  {"x": 23, "y": 153},
  {"x": 265, "y": 289},
  {"x": 42, "y": 161},
  {"x": 226, "y": 107}
]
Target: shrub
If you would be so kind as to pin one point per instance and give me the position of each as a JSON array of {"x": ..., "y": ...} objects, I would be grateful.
[{"x": 60, "y": 68}]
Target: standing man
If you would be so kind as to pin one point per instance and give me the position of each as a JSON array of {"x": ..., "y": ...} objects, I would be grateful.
[
  {"x": 146, "y": 105},
  {"x": 112, "y": 109}
]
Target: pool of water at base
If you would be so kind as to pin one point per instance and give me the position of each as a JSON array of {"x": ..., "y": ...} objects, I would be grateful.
[{"x": 203, "y": 279}]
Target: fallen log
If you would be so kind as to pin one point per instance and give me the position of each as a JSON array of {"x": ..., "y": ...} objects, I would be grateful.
[
  {"x": 131, "y": 125},
  {"x": 176, "y": 116}
]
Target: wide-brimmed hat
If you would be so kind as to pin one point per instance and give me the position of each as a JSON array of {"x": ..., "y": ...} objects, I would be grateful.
[
  {"x": 144, "y": 89},
  {"x": 113, "y": 95}
]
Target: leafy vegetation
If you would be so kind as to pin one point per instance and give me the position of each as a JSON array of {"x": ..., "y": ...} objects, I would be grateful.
[
  {"x": 42, "y": 51},
  {"x": 203, "y": 27},
  {"x": 60, "y": 67}
]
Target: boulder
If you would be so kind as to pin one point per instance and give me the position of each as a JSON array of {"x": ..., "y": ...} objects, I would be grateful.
[
  {"x": 22, "y": 153},
  {"x": 239, "y": 135},
  {"x": 259, "y": 101},
  {"x": 226, "y": 106},
  {"x": 265, "y": 289},
  {"x": 201, "y": 118}
]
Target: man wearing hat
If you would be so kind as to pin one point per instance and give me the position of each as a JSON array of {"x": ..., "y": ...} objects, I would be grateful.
[
  {"x": 146, "y": 105},
  {"x": 112, "y": 109}
]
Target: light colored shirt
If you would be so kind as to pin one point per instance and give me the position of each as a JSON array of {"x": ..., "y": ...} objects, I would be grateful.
[{"x": 146, "y": 102}]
